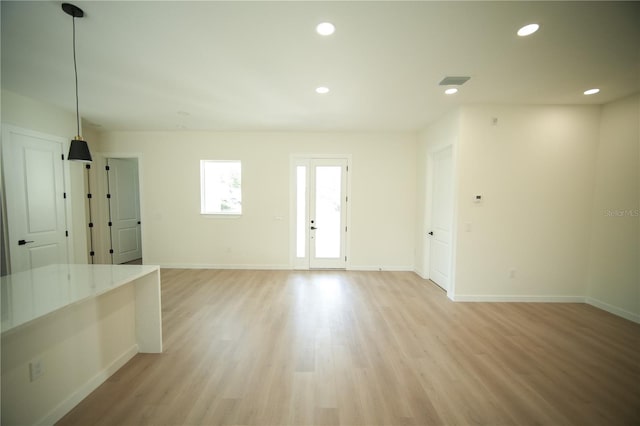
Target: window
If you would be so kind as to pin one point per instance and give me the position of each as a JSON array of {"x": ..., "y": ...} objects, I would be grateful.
[{"x": 220, "y": 187}]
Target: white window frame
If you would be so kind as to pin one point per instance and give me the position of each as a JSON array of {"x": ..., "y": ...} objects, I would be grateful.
[{"x": 203, "y": 212}]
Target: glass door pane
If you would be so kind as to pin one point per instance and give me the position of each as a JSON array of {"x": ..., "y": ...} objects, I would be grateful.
[
  {"x": 328, "y": 214},
  {"x": 301, "y": 211}
]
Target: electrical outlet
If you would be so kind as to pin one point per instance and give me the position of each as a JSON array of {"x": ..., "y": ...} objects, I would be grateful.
[{"x": 35, "y": 369}]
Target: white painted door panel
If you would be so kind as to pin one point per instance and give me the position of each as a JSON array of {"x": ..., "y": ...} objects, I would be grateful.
[
  {"x": 125, "y": 209},
  {"x": 34, "y": 183},
  {"x": 441, "y": 218}
]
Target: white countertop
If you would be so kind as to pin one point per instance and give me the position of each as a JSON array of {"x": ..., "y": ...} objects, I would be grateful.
[{"x": 27, "y": 296}]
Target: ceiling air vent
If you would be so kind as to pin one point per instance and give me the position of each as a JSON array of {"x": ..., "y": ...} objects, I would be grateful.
[{"x": 454, "y": 81}]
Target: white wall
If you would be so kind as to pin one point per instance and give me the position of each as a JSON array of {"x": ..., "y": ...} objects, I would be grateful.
[
  {"x": 613, "y": 278},
  {"x": 440, "y": 134},
  {"x": 34, "y": 115},
  {"x": 535, "y": 169},
  {"x": 382, "y": 205},
  {"x": 30, "y": 114}
]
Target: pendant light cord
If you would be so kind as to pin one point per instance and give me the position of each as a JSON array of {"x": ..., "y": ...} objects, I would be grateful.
[{"x": 75, "y": 71}]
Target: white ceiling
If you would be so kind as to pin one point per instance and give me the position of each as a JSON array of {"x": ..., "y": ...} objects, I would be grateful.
[{"x": 245, "y": 66}]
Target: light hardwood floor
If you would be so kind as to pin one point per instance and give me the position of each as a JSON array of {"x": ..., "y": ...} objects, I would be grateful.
[{"x": 356, "y": 348}]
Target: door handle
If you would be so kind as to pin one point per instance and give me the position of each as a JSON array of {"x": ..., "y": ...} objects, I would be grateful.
[
  {"x": 431, "y": 233},
  {"x": 313, "y": 228},
  {"x": 23, "y": 242}
]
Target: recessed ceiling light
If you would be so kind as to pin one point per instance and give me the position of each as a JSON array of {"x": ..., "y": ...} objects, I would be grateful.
[
  {"x": 451, "y": 91},
  {"x": 325, "y": 28},
  {"x": 528, "y": 30},
  {"x": 322, "y": 90},
  {"x": 591, "y": 91}
]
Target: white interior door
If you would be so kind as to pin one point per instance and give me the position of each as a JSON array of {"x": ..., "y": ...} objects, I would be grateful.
[
  {"x": 125, "y": 209},
  {"x": 321, "y": 214},
  {"x": 441, "y": 218},
  {"x": 35, "y": 195}
]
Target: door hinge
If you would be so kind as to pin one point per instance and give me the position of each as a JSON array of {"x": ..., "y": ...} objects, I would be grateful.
[
  {"x": 66, "y": 233},
  {"x": 345, "y": 258},
  {"x": 64, "y": 195},
  {"x": 347, "y": 168},
  {"x": 345, "y": 229},
  {"x": 108, "y": 195},
  {"x": 62, "y": 156},
  {"x": 346, "y": 199},
  {"x": 87, "y": 166},
  {"x": 106, "y": 168}
]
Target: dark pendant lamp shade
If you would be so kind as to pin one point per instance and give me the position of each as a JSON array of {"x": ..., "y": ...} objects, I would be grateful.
[{"x": 79, "y": 151}]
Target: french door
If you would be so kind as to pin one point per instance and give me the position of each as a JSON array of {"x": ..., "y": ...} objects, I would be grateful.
[{"x": 320, "y": 213}]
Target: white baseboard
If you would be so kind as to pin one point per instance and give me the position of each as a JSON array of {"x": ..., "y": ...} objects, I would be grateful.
[
  {"x": 550, "y": 299},
  {"x": 92, "y": 384},
  {"x": 380, "y": 268},
  {"x": 613, "y": 309},
  {"x": 421, "y": 274},
  {"x": 212, "y": 266},
  {"x": 280, "y": 267},
  {"x": 525, "y": 299}
]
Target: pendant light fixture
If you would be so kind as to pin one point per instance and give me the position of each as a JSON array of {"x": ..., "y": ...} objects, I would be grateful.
[{"x": 79, "y": 150}]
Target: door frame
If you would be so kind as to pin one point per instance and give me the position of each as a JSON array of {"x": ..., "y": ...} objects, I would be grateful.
[
  {"x": 428, "y": 207},
  {"x": 294, "y": 159},
  {"x": 102, "y": 213},
  {"x": 7, "y": 129}
]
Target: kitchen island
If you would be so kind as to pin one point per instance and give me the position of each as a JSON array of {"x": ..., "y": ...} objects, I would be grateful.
[{"x": 67, "y": 328}]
